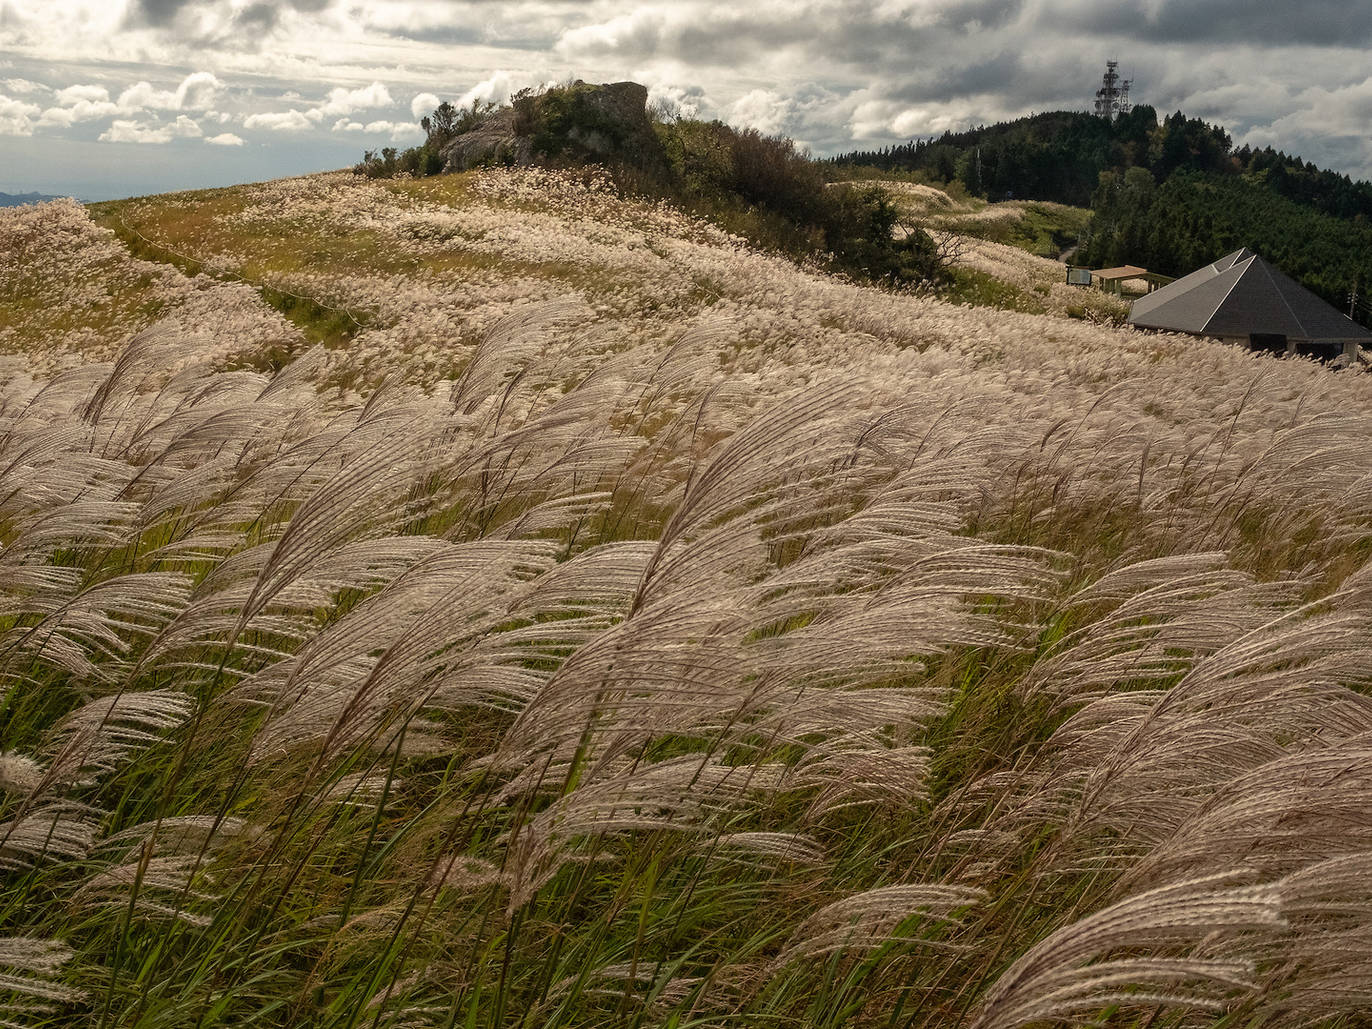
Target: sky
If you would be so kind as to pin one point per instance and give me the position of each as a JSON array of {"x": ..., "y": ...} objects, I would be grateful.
[{"x": 109, "y": 98}]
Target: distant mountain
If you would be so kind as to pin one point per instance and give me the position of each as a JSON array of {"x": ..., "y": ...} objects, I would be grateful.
[{"x": 16, "y": 199}]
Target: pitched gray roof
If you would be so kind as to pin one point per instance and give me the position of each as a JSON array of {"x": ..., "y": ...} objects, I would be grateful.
[{"x": 1239, "y": 295}]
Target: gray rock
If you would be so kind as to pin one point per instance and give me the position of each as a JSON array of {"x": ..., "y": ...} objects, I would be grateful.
[
  {"x": 584, "y": 121},
  {"x": 493, "y": 142}
]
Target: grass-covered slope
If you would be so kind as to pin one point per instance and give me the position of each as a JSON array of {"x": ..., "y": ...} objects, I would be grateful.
[
  {"x": 617, "y": 626},
  {"x": 1005, "y": 254}
]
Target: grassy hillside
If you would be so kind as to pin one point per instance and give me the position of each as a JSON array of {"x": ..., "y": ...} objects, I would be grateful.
[
  {"x": 1005, "y": 254},
  {"x": 485, "y": 601}
]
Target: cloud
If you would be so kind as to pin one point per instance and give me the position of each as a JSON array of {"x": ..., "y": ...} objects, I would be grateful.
[
  {"x": 225, "y": 139},
  {"x": 347, "y": 101},
  {"x": 1334, "y": 23},
  {"x": 398, "y": 131},
  {"x": 16, "y": 116},
  {"x": 495, "y": 90},
  {"x": 761, "y": 109},
  {"x": 124, "y": 130},
  {"x": 339, "y": 105},
  {"x": 836, "y": 74},
  {"x": 423, "y": 104},
  {"x": 196, "y": 91},
  {"x": 76, "y": 94},
  {"x": 23, "y": 86},
  {"x": 80, "y": 111},
  {"x": 282, "y": 121},
  {"x": 233, "y": 24},
  {"x": 680, "y": 101}
]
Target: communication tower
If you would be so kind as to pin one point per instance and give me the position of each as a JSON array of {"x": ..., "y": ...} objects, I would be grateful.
[{"x": 1112, "y": 99}]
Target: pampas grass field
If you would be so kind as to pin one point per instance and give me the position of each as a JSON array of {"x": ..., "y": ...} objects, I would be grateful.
[{"x": 616, "y": 626}]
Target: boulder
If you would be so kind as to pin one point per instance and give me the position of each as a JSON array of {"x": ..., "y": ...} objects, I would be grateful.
[
  {"x": 493, "y": 142},
  {"x": 583, "y": 122}
]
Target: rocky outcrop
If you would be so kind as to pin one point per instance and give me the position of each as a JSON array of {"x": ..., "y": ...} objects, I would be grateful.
[
  {"x": 583, "y": 121},
  {"x": 493, "y": 142}
]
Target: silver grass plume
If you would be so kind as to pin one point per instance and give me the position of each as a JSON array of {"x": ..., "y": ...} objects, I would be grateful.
[
  {"x": 873, "y": 918},
  {"x": 1070, "y": 975},
  {"x": 30, "y": 987}
]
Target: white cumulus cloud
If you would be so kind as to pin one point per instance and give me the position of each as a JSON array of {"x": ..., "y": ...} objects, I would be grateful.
[
  {"x": 423, "y": 104},
  {"x": 23, "y": 86},
  {"x": 196, "y": 92},
  {"x": 225, "y": 139},
  {"x": 495, "y": 90},
  {"x": 279, "y": 121},
  {"x": 346, "y": 101},
  {"x": 16, "y": 116},
  {"x": 81, "y": 111},
  {"x": 126, "y": 130},
  {"x": 761, "y": 109},
  {"x": 73, "y": 95},
  {"x": 679, "y": 101}
]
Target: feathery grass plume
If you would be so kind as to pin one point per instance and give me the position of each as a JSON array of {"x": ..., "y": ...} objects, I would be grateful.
[
  {"x": 510, "y": 347},
  {"x": 1161, "y": 617},
  {"x": 1292, "y": 811},
  {"x": 54, "y": 832},
  {"x": 870, "y": 919},
  {"x": 1138, "y": 775},
  {"x": 367, "y": 495},
  {"x": 859, "y": 774},
  {"x": 90, "y": 634},
  {"x": 1070, "y": 977},
  {"x": 814, "y": 429},
  {"x": 766, "y": 849},
  {"x": 562, "y": 610},
  {"x": 560, "y": 451},
  {"x": 20, "y": 774},
  {"x": 30, "y": 987},
  {"x": 100, "y": 735},
  {"x": 141, "y": 356},
  {"x": 1321, "y": 966},
  {"x": 679, "y": 795},
  {"x": 154, "y": 888},
  {"x": 571, "y": 675},
  {"x": 651, "y": 984},
  {"x": 385, "y": 651}
]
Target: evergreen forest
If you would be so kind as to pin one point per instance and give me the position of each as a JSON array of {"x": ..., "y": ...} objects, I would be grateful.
[{"x": 1169, "y": 194}]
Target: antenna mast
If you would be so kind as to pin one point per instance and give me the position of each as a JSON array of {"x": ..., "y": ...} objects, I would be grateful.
[{"x": 1112, "y": 99}]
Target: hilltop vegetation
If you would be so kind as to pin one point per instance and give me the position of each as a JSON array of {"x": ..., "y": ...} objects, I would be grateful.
[
  {"x": 749, "y": 183},
  {"x": 1170, "y": 195},
  {"x": 621, "y": 625},
  {"x": 1190, "y": 219}
]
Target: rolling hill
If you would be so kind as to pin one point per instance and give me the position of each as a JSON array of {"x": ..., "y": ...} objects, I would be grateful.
[{"x": 489, "y": 600}]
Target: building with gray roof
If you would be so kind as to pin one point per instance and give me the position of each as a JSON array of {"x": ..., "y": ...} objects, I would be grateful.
[{"x": 1243, "y": 299}]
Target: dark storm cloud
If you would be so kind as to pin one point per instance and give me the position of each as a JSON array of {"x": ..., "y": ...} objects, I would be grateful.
[
  {"x": 994, "y": 74},
  {"x": 979, "y": 14},
  {"x": 866, "y": 35},
  {"x": 1309, "y": 23},
  {"x": 260, "y": 16},
  {"x": 834, "y": 74}
]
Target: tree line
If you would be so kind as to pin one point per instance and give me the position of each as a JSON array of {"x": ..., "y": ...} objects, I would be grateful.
[{"x": 1169, "y": 194}]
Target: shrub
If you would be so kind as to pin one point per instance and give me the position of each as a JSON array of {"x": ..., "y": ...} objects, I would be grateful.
[{"x": 756, "y": 185}]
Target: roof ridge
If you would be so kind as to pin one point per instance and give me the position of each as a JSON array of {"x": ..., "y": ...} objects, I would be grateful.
[
  {"x": 1277, "y": 288},
  {"x": 1232, "y": 286}
]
